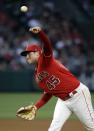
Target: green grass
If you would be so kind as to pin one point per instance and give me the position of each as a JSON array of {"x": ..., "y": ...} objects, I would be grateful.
[{"x": 11, "y": 102}]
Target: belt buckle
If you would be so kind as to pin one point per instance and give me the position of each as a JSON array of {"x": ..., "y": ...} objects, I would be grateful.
[{"x": 72, "y": 93}]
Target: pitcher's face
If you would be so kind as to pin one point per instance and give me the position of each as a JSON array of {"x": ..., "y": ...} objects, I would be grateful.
[{"x": 32, "y": 58}]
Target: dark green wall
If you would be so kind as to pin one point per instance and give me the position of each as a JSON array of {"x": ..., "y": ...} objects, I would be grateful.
[
  {"x": 17, "y": 81},
  {"x": 24, "y": 81}
]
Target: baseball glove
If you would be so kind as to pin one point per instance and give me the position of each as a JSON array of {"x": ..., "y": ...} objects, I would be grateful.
[{"x": 27, "y": 112}]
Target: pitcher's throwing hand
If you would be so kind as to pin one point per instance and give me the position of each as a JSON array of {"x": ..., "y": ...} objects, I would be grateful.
[{"x": 35, "y": 30}]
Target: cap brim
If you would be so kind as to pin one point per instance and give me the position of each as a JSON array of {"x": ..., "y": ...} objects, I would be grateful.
[{"x": 24, "y": 53}]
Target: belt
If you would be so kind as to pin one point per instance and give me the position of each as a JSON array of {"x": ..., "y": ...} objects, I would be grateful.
[{"x": 70, "y": 95}]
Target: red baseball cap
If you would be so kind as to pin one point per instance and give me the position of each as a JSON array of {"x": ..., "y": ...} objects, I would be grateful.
[{"x": 31, "y": 48}]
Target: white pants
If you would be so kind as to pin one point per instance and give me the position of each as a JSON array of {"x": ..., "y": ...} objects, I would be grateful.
[{"x": 79, "y": 104}]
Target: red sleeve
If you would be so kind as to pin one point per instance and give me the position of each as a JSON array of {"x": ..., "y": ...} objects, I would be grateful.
[
  {"x": 46, "y": 45},
  {"x": 44, "y": 99}
]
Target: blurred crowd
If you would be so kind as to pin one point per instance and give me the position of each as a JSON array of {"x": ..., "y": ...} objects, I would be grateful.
[
  {"x": 88, "y": 6},
  {"x": 69, "y": 46}
]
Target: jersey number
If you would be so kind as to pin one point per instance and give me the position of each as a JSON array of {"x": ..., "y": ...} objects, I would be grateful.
[{"x": 52, "y": 82}]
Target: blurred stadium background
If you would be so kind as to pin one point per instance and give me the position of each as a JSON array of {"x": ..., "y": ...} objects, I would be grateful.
[{"x": 69, "y": 24}]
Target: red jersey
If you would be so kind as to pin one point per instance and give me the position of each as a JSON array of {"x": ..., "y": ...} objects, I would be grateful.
[{"x": 52, "y": 76}]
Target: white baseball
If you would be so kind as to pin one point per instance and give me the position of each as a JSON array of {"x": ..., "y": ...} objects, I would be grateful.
[{"x": 24, "y": 8}]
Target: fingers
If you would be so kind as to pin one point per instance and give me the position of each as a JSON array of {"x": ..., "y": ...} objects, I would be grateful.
[{"x": 35, "y": 30}]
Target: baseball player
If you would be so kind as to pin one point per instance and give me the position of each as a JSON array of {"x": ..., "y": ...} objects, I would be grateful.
[{"x": 56, "y": 80}]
